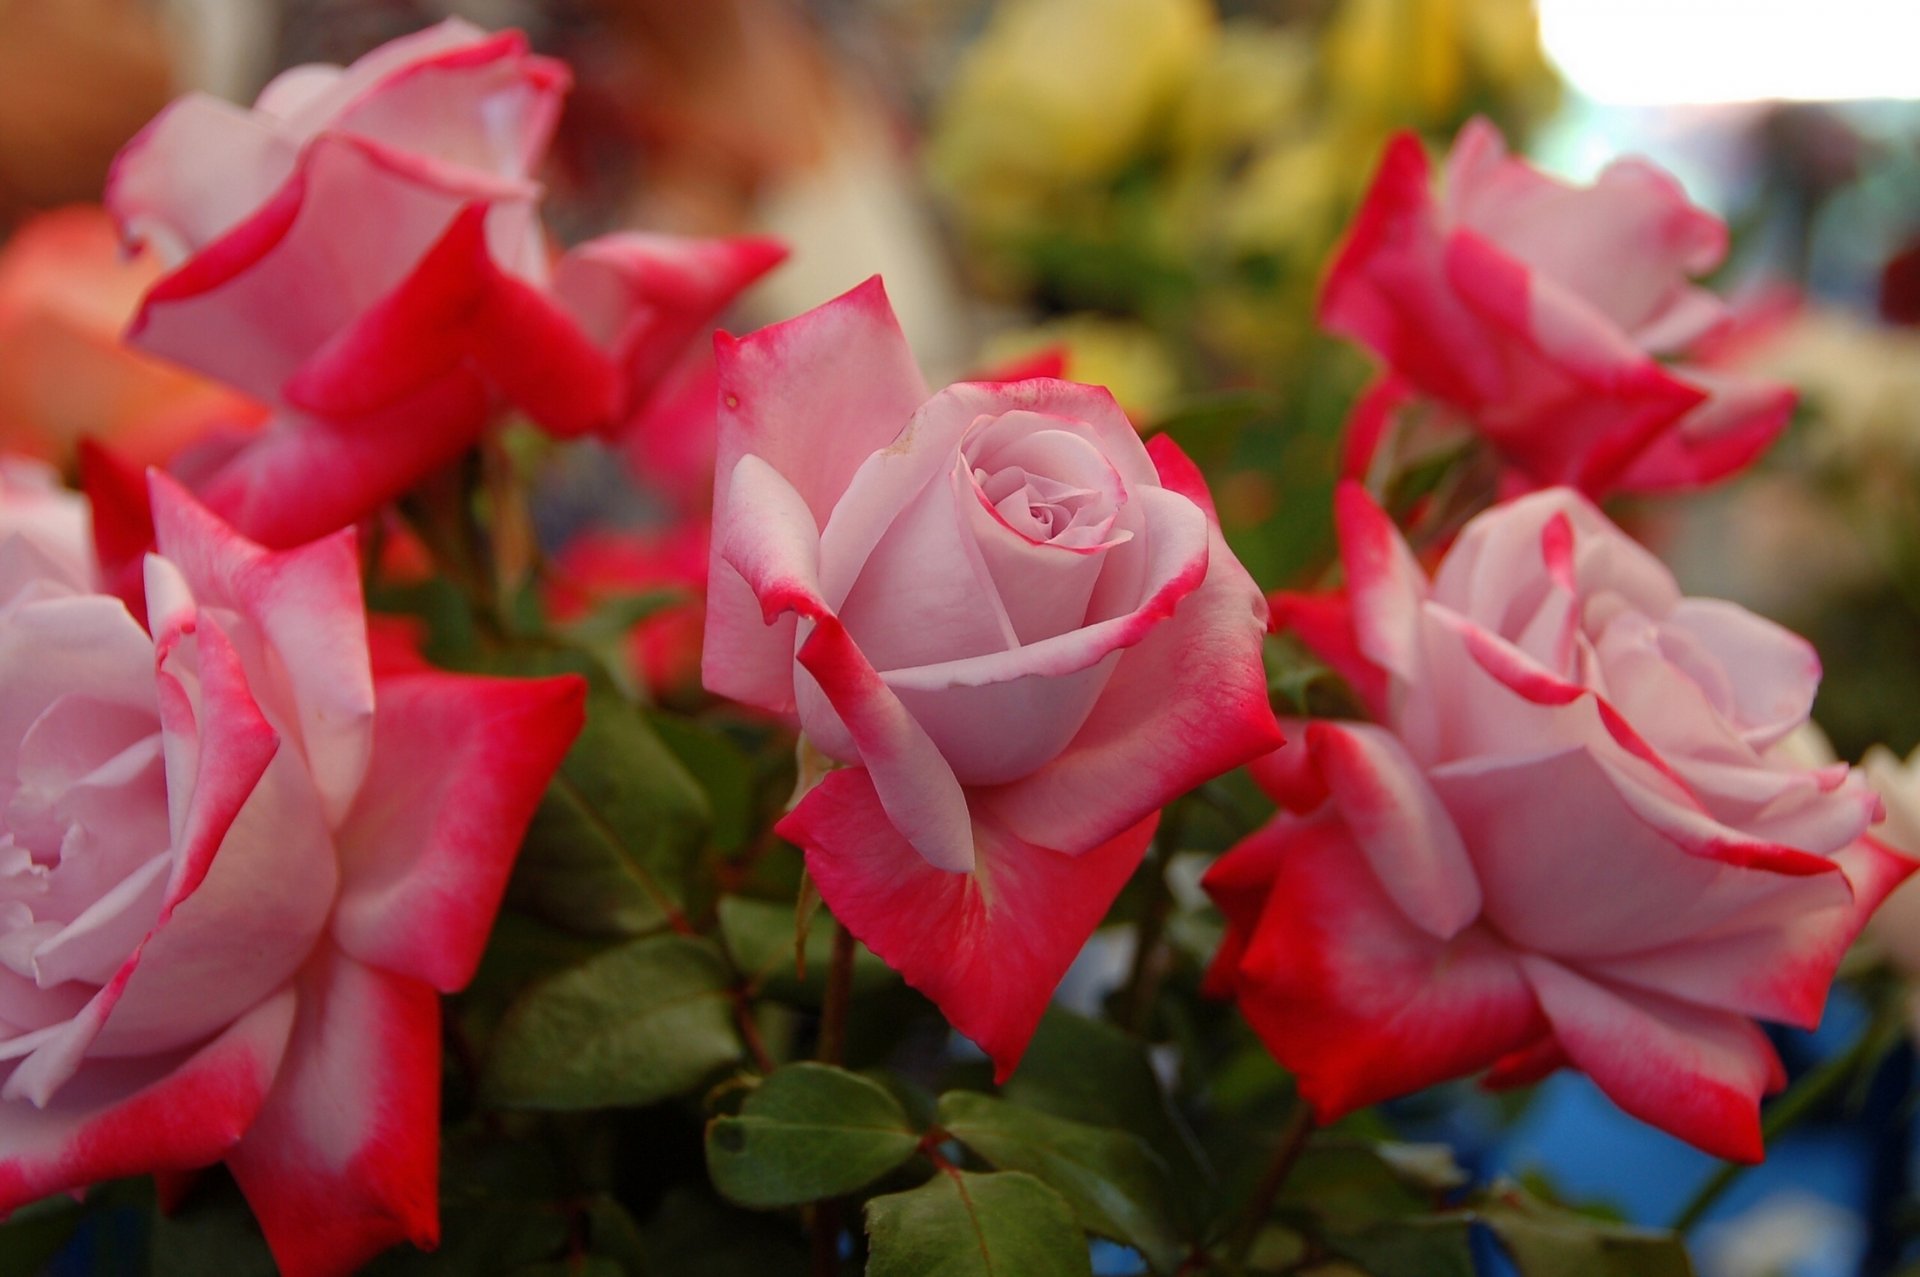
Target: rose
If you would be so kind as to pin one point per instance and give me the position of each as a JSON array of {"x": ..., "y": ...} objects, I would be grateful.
[
  {"x": 1575, "y": 836},
  {"x": 240, "y": 856},
  {"x": 1014, "y": 628},
  {"x": 1538, "y": 312},
  {"x": 66, "y": 290},
  {"x": 363, "y": 252}
]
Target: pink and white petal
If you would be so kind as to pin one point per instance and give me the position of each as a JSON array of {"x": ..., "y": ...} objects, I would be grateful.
[
  {"x": 1555, "y": 836},
  {"x": 342, "y": 233},
  {"x": 201, "y": 168},
  {"x": 1180, "y": 548},
  {"x": 459, "y": 763},
  {"x": 343, "y": 1158},
  {"x": 307, "y": 110},
  {"x": 1694, "y": 1072},
  {"x": 1399, "y": 823},
  {"x": 1626, "y": 244},
  {"x": 241, "y": 931},
  {"x": 302, "y": 476},
  {"x": 1739, "y": 421},
  {"x": 131, "y": 1117},
  {"x": 488, "y": 104},
  {"x": 1350, "y": 994},
  {"x": 1770, "y": 672},
  {"x": 816, "y": 395},
  {"x": 774, "y": 551},
  {"x": 1777, "y": 962},
  {"x": 813, "y": 397},
  {"x": 644, "y": 299},
  {"x": 987, "y": 946},
  {"x": 1385, "y": 584},
  {"x": 306, "y": 605},
  {"x": 1187, "y": 703}
]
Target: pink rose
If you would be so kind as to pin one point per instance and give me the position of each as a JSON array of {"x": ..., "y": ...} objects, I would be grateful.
[
  {"x": 1013, "y": 628},
  {"x": 1540, "y": 313},
  {"x": 363, "y": 252},
  {"x": 242, "y": 854},
  {"x": 1573, "y": 838}
]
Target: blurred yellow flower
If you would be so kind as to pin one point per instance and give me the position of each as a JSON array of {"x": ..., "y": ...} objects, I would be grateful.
[
  {"x": 1428, "y": 64},
  {"x": 1253, "y": 81},
  {"x": 1059, "y": 92}
]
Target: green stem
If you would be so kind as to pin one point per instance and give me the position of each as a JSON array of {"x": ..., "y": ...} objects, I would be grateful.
[
  {"x": 1805, "y": 1096},
  {"x": 833, "y": 1010},
  {"x": 1286, "y": 1152}
]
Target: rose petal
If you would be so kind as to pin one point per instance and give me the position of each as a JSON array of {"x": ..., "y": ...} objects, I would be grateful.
[
  {"x": 1693, "y": 1072},
  {"x": 1352, "y": 996},
  {"x": 458, "y": 766},
  {"x": 791, "y": 396},
  {"x": 987, "y": 946},
  {"x": 343, "y": 1159},
  {"x": 129, "y": 1117}
]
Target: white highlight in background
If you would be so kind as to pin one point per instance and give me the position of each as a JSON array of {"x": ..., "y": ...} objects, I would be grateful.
[{"x": 1671, "y": 51}]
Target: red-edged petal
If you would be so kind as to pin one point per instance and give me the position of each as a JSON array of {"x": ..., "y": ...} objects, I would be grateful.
[
  {"x": 1186, "y": 703},
  {"x": 457, "y": 307},
  {"x": 458, "y": 766},
  {"x": 306, "y": 603},
  {"x": 1581, "y": 402},
  {"x": 122, "y": 522},
  {"x": 1324, "y": 622},
  {"x": 343, "y": 233},
  {"x": 1368, "y": 423},
  {"x": 1387, "y": 287},
  {"x": 813, "y": 397},
  {"x": 644, "y": 299},
  {"x": 987, "y": 946},
  {"x": 1349, "y": 993},
  {"x": 303, "y": 477},
  {"x": 200, "y": 168},
  {"x": 1398, "y": 821},
  {"x": 1723, "y": 436},
  {"x": 1780, "y": 964},
  {"x": 775, "y": 554},
  {"x": 343, "y": 1159},
  {"x": 1385, "y": 584},
  {"x": 1178, "y": 473},
  {"x": 125, "y": 1117},
  {"x": 1693, "y": 1072}
]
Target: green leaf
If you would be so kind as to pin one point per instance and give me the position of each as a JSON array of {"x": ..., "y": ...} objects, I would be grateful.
[
  {"x": 759, "y": 934},
  {"x": 35, "y": 1234},
  {"x": 1348, "y": 1187},
  {"x": 1116, "y": 1185},
  {"x": 962, "y": 1224},
  {"x": 1420, "y": 1246},
  {"x": 612, "y": 843},
  {"x": 634, "y": 1025},
  {"x": 1092, "y": 1072},
  {"x": 727, "y": 1242},
  {"x": 808, "y": 1132},
  {"x": 1549, "y": 1241},
  {"x": 722, "y": 769}
]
